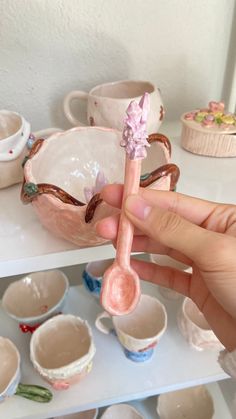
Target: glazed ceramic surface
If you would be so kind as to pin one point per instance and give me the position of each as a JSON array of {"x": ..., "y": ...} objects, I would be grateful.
[
  {"x": 10, "y": 368},
  {"x": 107, "y": 103},
  {"x": 14, "y": 134},
  {"x": 121, "y": 411},
  {"x": 209, "y": 131},
  {"x": 190, "y": 403},
  {"x": 92, "y": 276},
  {"x": 36, "y": 297},
  {"x": 195, "y": 328},
  {"x": 139, "y": 331},
  {"x": 62, "y": 169},
  {"x": 88, "y": 414},
  {"x": 164, "y": 260},
  {"x": 62, "y": 350}
]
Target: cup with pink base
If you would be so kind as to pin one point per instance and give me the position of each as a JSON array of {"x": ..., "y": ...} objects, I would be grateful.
[
  {"x": 62, "y": 350},
  {"x": 139, "y": 331}
]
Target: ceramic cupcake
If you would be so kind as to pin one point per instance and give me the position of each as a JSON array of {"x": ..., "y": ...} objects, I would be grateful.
[{"x": 210, "y": 131}]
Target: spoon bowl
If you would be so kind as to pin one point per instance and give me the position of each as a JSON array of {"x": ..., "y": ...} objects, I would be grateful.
[{"x": 123, "y": 289}]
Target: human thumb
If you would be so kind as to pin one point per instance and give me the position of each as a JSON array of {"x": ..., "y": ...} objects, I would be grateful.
[{"x": 168, "y": 228}]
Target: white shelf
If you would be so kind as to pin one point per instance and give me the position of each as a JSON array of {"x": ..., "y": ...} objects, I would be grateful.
[
  {"x": 25, "y": 246},
  {"x": 114, "y": 378}
]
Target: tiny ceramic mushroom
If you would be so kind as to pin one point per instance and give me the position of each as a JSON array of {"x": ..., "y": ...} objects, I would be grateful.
[
  {"x": 62, "y": 350},
  {"x": 35, "y": 298}
]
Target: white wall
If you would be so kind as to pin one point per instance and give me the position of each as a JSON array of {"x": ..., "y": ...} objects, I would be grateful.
[{"x": 48, "y": 47}]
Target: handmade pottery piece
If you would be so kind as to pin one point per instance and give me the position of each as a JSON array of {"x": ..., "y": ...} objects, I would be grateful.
[
  {"x": 195, "y": 328},
  {"x": 107, "y": 103},
  {"x": 35, "y": 298},
  {"x": 124, "y": 411},
  {"x": 88, "y": 414},
  {"x": 165, "y": 260},
  {"x": 15, "y": 142},
  {"x": 121, "y": 287},
  {"x": 139, "y": 331},
  {"x": 62, "y": 350},
  {"x": 210, "y": 131},
  {"x": 11, "y": 374},
  {"x": 190, "y": 403},
  {"x": 60, "y": 170},
  {"x": 92, "y": 276}
]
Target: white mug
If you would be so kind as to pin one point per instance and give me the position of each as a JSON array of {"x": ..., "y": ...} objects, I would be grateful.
[
  {"x": 139, "y": 331},
  {"x": 107, "y": 104},
  {"x": 195, "y": 328}
]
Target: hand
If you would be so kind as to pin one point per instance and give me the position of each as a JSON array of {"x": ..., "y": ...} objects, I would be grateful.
[{"x": 199, "y": 233}]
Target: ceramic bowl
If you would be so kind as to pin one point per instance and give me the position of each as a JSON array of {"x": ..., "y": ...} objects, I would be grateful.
[
  {"x": 190, "y": 403},
  {"x": 36, "y": 297},
  {"x": 87, "y": 414},
  {"x": 124, "y": 411},
  {"x": 165, "y": 260},
  {"x": 92, "y": 276},
  {"x": 10, "y": 368},
  {"x": 65, "y": 173},
  {"x": 195, "y": 328},
  {"x": 62, "y": 350}
]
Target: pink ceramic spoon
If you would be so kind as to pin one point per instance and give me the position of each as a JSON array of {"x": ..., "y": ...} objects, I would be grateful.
[{"x": 121, "y": 286}]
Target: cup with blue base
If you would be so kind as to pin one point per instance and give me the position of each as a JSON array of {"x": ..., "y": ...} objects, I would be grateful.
[
  {"x": 92, "y": 276},
  {"x": 139, "y": 331}
]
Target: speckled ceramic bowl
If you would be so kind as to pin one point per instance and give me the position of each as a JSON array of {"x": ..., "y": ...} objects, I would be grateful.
[
  {"x": 195, "y": 328},
  {"x": 62, "y": 350},
  {"x": 10, "y": 368},
  {"x": 65, "y": 173},
  {"x": 190, "y": 403},
  {"x": 36, "y": 297}
]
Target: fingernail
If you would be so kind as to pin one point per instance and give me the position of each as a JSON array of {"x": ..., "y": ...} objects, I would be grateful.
[{"x": 137, "y": 206}]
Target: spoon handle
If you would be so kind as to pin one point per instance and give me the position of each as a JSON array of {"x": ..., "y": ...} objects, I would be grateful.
[{"x": 126, "y": 229}]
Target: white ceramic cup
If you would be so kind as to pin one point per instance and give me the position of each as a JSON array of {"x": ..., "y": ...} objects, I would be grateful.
[
  {"x": 107, "y": 104},
  {"x": 36, "y": 297},
  {"x": 15, "y": 142},
  {"x": 190, "y": 403},
  {"x": 195, "y": 328},
  {"x": 121, "y": 411},
  {"x": 139, "y": 331},
  {"x": 10, "y": 368},
  {"x": 62, "y": 350},
  {"x": 92, "y": 276}
]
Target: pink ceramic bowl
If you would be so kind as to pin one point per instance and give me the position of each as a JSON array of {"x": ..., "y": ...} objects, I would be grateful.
[{"x": 65, "y": 173}]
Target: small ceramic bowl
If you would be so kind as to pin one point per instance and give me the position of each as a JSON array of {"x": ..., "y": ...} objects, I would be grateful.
[
  {"x": 62, "y": 350},
  {"x": 92, "y": 276},
  {"x": 65, "y": 173},
  {"x": 10, "y": 368},
  {"x": 121, "y": 411},
  {"x": 165, "y": 260},
  {"x": 195, "y": 328},
  {"x": 35, "y": 298},
  {"x": 190, "y": 403},
  {"x": 88, "y": 414}
]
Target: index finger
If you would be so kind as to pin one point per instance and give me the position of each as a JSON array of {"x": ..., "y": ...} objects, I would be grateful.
[{"x": 192, "y": 209}]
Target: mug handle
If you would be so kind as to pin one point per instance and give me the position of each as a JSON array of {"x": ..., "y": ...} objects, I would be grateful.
[
  {"x": 75, "y": 94},
  {"x": 99, "y": 325}
]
